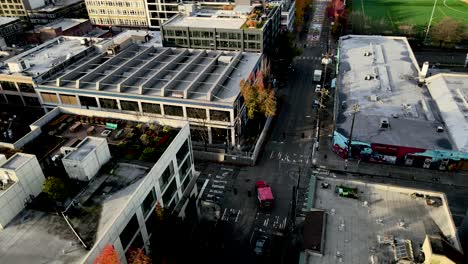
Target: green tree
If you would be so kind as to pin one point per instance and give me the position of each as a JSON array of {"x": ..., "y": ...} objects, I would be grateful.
[
  {"x": 258, "y": 94},
  {"x": 55, "y": 189},
  {"x": 447, "y": 31}
]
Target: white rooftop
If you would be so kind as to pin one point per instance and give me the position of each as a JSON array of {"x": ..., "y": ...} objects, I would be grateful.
[
  {"x": 84, "y": 148},
  {"x": 392, "y": 93},
  {"x": 6, "y": 20},
  {"x": 450, "y": 92},
  {"x": 16, "y": 161},
  {"x": 49, "y": 54},
  {"x": 64, "y": 23},
  {"x": 354, "y": 228},
  {"x": 205, "y": 22}
]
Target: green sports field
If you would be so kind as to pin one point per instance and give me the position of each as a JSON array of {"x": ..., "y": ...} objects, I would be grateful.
[{"x": 412, "y": 12}]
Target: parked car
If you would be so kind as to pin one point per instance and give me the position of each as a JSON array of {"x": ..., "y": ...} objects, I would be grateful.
[{"x": 260, "y": 246}]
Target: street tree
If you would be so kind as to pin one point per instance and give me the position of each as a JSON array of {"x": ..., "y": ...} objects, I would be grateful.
[
  {"x": 54, "y": 188},
  {"x": 259, "y": 96},
  {"x": 138, "y": 256},
  {"x": 108, "y": 255},
  {"x": 447, "y": 31}
]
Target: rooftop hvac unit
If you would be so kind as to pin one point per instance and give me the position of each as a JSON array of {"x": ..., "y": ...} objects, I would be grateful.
[
  {"x": 113, "y": 49},
  {"x": 440, "y": 129},
  {"x": 225, "y": 59},
  {"x": 367, "y": 54}
]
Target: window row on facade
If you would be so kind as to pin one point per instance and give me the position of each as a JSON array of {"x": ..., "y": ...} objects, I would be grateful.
[
  {"x": 118, "y": 21},
  {"x": 117, "y": 12},
  {"x": 115, "y": 3},
  {"x": 125, "y": 105}
]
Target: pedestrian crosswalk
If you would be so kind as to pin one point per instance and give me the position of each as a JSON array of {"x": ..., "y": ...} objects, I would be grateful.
[{"x": 308, "y": 58}]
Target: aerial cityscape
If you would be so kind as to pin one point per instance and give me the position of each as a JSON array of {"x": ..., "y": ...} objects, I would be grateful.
[{"x": 241, "y": 131}]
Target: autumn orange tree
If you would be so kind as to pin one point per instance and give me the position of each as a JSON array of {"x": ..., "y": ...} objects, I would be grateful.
[
  {"x": 258, "y": 94},
  {"x": 108, "y": 256},
  {"x": 138, "y": 256}
]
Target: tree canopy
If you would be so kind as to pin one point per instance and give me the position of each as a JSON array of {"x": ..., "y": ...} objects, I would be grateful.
[
  {"x": 54, "y": 187},
  {"x": 447, "y": 31}
]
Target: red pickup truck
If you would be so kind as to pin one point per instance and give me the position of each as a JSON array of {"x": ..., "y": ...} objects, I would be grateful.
[{"x": 264, "y": 194}]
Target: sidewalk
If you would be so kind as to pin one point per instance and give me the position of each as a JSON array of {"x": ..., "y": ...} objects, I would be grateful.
[{"x": 335, "y": 163}]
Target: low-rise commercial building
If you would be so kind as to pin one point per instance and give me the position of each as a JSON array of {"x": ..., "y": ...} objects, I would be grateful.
[
  {"x": 60, "y": 27},
  {"x": 239, "y": 28},
  {"x": 11, "y": 30},
  {"x": 51, "y": 10},
  {"x": 117, "y": 204},
  {"x": 125, "y": 75},
  {"x": 356, "y": 222},
  {"x": 400, "y": 120}
]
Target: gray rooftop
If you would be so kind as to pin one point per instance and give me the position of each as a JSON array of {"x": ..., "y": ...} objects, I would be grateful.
[
  {"x": 6, "y": 20},
  {"x": 353, "y": 228},
  {"x": 450, "y": 92},
  {"x": 57, "y": 5},
  {"x": 48, "y": 55},
  {"x": 38, "y": 237},
  {"x": 204, "y": 75},
  {"x": 16, "y": 161},
  {"x": 84, "y": 148},
  {"x": 205, "y": 22},
  {"x": 392, "y": 94},
  {"x": 64, "y": 23}
]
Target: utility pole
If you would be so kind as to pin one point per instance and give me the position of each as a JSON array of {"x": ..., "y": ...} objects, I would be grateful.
[
  {"x": 355, "y": 110},
  {"x": 430, "y": 21}
]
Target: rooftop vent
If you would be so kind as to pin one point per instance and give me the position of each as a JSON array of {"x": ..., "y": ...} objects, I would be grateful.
[
  {"x": 440, "y": 129},
  {"x": 367, "y": 54},
  {"x": 384, "y": 123},
  {"x": 373, "y": 98},
  {"x": 368, "y": 77}
]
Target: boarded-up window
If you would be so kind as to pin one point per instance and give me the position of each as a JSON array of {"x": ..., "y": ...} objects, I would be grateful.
[
  {"x": 49, "y": 98},
  {"x": 68, "y": 99}
]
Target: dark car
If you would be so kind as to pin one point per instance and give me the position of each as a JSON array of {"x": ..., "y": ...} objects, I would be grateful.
[{"x": 260, "y": 246}]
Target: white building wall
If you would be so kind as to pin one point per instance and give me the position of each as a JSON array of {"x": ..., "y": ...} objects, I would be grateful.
[
  {"x": 28, "y": 178},
  {"x": 133, "y": 206}
]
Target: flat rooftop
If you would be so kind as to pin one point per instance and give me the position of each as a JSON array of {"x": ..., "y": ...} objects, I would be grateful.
[
  {"x": 39, "y": 237},
  {"x": 360, "y": 229},
  {"x": 84, "y": 148},
  {"x": 57, "y": 5},
  {"x": 48, "y": 55},
  {"x": 64, "y": 23},
  {"x": 16, "y": 161},
  {"x": 205, "y": 22},
  {"x": 6, "y": 20},
  {"x": 203, "y": 75},
  {"x": 450, "y": 92},
  {"x": 391, "y": 94}
]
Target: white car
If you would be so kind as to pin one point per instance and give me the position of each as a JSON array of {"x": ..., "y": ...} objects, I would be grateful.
[{"x": 318, "y": 88}]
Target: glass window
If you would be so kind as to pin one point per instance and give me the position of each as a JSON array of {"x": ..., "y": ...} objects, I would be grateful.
[
  {"x": 151, "y": 108},
  {"x": 169, "y": 192},
  {"x": 196, "y": 113},
  {"x": 129, "y": 105},
  {"x": 182, "y": 152},
  {"x": 166, "y": 176},
  {"x": 68, "y": 99},
  {"x": 108, "y": 103},
  {"x": 49, "y": 98},
  {"x": 88, "y": 101},
  {"x": 185, "y": 167},
  {"x": 219, "y": 115},
  {"x": 10, "y": 86},
  {"x": 173, "y": 110},
  {"x": 149, "y": 202},
  {"x": 199, "y": 134},
  {"x": 26, "y": 87},
  {"x": 186, "y": 182},
  {"x": 14, "y": 99},
  {"x": 31, "y": 101},
  {"x": 219, "y": 135},
  {"x": 129, "y": 231},
  {"x": 136, "y": 244}
]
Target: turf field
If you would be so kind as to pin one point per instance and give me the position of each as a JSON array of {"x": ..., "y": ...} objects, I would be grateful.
[{"x": 414, "y": 12}]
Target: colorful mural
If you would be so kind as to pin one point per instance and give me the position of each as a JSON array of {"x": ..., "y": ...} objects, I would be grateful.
[{"x": 399, "y": 155}]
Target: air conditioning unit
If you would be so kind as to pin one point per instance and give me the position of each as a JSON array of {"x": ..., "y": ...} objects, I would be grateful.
[
  {"x": 384, "y": 123},
  {"x": 113, "y": 49}
]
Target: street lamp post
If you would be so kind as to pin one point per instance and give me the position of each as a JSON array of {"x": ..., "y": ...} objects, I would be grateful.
[
  {"x": 355, "y": 110},
  {"x": 430, "y": 21}
]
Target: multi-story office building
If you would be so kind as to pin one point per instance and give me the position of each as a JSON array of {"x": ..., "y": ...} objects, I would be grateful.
[
  {"x": 288, "y": 14},
  {"x": 201, "y": 86},
  {"x": 126, "y": 13},
  {"x": 239, "y": 28},
  {"x": 55, "y": 9},
  {"x": 11, "y": 30},
  {"x": 42, "y": 11},
  {"x": 117, "y": 205}
]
